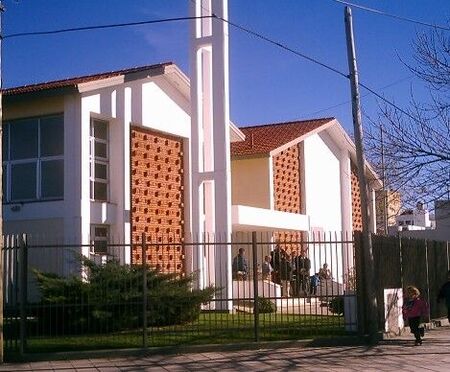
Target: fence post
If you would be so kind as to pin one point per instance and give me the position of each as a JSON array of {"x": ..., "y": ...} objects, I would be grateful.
[
  {"x": 23, "y": 259},
  {"x": 144, "y": 291},
  {"x": 400, "y": 250},
  {"x": 448, "y": 260},
  {"x": 428, "y": 271},
  {"x": 255, "y": 287},
  {"x": 359, "y": 268}
]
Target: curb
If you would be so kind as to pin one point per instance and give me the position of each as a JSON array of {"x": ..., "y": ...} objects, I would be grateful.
[{"x": 189, "y": 349}]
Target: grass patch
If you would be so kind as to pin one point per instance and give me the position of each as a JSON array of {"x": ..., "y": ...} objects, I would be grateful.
[{"x": 210, "y": 328}]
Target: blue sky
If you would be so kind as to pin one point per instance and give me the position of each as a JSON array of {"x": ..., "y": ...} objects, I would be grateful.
[{"x": 267, "y": 84}]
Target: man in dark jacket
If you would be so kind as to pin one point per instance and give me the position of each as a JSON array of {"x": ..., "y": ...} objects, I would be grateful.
[
  {"x": 444, "y": 293},
  {"x": 285, "y": 275},
  {"x": 302, "y": 274},
  {"x": 240, "y": 266}
]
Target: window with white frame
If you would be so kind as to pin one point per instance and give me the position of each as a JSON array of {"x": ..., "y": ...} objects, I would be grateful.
[
  {"x": 100, "y": 238},
  {"x": 33, "y": 159},
  {"x": 99, "y": 160}
]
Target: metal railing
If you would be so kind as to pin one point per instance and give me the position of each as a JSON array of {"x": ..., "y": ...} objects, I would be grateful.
[{"x": 106, "y": 303}]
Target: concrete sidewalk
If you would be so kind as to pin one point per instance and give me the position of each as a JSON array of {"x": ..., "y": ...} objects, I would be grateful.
[{"x": 396, "y": 354}]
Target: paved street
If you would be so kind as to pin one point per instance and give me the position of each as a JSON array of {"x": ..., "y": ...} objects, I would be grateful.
[{"x": 397, "y": 354}]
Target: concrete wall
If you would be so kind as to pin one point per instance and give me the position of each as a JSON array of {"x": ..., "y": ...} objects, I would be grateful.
[
  {"x": 33, "y": 107},
  {"x": 251, "y": 182}
]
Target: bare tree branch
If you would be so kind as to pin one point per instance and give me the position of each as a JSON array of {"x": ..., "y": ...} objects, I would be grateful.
[{"x": 417, "y": 151}]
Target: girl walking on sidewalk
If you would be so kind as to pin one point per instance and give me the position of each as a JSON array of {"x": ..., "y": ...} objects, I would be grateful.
[{"x": 414, "y": 308}]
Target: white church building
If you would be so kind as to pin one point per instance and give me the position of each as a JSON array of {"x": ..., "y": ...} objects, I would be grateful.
[{"x": 146, "y": 151}]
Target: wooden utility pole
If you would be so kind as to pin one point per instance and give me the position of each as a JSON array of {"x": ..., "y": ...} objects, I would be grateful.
[
  {"x": 367, "y": 255},
  {"x": 1, "y": 190}
]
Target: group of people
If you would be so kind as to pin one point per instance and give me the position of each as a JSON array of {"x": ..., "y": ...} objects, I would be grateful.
[
  {"x": 416, "y": 309},
  {"x": 292, "y": 273}
]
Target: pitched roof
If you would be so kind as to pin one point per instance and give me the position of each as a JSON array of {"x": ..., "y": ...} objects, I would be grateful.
[
  {"x": 74, "y": 81},
  {"x": 262, "y": 139}
]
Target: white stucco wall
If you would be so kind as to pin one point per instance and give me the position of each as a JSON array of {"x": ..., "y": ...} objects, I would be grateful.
[
  {"x": 323, "y": 195},
  {"x": 164, "y": 109},
  {"x": 322, "y": 185}
]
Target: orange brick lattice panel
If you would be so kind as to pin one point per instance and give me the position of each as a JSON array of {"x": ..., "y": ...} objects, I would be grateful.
[
  {"x": 157, "y": 199},
  {"x": 356, "y": 202},
  {"x": 287, "y": 191}
]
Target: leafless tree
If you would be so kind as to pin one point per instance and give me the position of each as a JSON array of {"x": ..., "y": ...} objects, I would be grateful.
[{"x": 415, "y": 142}]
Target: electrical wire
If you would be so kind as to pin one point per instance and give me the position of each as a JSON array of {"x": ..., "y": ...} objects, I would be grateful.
[
  {"x": 283, "y": 46},
  {"x": 318, "y": 63},
  {"x": 362, "y": 96},
  {"x": 99, "y": 27},
  {"x": 242, "y": 28},
  {"x": 379, "y": 12}
]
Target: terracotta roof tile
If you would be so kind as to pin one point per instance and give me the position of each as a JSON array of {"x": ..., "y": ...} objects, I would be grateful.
[
  {"x": 74, "y": 81},
  {"x": 261, "y": 139}
]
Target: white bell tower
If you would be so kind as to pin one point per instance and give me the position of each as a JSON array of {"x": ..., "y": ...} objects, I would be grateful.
[{"x": 210, "y": 145}]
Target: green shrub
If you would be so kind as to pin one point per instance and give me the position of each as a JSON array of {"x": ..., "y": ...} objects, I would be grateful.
[
  {"x": 336, "y": 305},
  {"x": 266, "y": 306},
  {"x": 111, "y": 299}
]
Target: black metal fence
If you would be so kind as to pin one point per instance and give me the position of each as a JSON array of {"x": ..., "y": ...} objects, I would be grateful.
[
  {"x": 400, "y": 262},
  {"x": 250, "y": 287}
]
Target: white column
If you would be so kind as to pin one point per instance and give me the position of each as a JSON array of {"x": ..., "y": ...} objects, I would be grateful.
[
  {"x": 122, "y": 111},
  {"x": 210, "y": 142},
  {"x": 72, "y": 180},
  {"x": 346, "y": 214},
  {"x": 346, "y": 192},
  {"x": 373, "y": 210}
]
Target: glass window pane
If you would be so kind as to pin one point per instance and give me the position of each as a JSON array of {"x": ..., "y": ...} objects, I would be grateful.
[
  {"x": 100, "y": 191},
  {"x": 23, "y": 181},
  {"x": 5, "y": 141},
  {"x": 101, "y": 232},
  {"x": 24, "y": 139},
  {"x": 101, "y": 171},
  {"x": 100, "y": 246},
  {"x": 100, "y": 129},
  {"x": 52, "y": 179},
  {"x": 52, "y": 136},
  {"x": 101, "y": 150}
]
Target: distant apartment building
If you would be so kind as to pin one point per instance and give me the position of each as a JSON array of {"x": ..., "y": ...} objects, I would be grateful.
[
  {"x": 388, "y": 206},
  {"x": 414, "y": 219},
  {"x": 419, "y": 223}
]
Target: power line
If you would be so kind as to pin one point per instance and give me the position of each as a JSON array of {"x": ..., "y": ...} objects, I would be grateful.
[
  {"x": 99, "y": 27},
  {"x": 316, "y": 62},
  {"x": 242, "y": 28},
  {"x": 389, "y": 102},
  {"x": 364, "y": 95},
  {"x": 265, "y": 38},
  {"x": 379, "y": 12}
]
